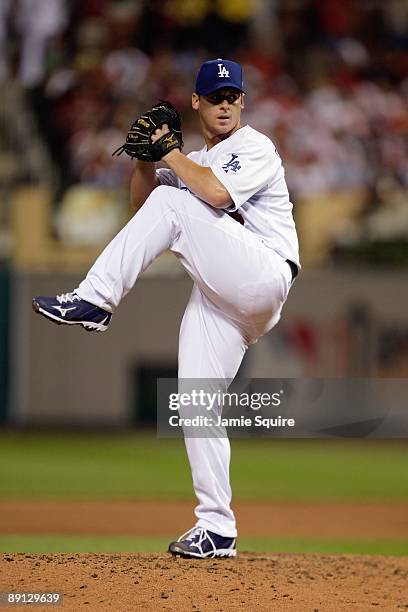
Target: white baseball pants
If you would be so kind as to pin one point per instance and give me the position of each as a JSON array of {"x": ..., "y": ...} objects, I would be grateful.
[{"x": 240, "y": 286}]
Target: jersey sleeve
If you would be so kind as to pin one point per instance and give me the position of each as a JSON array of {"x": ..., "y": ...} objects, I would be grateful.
[
  {"x": 248, "y": 169},
  {"x": 167, "y": 177}
]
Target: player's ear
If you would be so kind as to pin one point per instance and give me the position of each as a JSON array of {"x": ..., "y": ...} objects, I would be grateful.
[
  {"x": 195, "y": 101},
  {"x": 242, "y": 100}
]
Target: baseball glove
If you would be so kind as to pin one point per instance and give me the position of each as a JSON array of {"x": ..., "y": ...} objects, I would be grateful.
[{"x": 139, "y": 143}]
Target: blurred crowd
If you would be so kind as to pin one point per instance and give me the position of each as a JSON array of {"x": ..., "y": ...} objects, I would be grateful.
[{"x": 326, "y": 80}]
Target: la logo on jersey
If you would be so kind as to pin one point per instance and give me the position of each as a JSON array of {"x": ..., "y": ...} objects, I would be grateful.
[
  {"x": 232, "y": 164},
  {"x": 222, "y": 71}
]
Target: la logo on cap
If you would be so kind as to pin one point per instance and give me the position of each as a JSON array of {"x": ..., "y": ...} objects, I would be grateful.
[
  {"x": 222, "y": 71},
  {"x": 216, "y": 74}
]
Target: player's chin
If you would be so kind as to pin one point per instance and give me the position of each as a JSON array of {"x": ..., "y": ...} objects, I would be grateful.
[{"x": 224, "y": 126}]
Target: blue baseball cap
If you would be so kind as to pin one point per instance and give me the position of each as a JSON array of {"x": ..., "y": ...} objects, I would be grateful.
[{"x": 219, "y": 73}]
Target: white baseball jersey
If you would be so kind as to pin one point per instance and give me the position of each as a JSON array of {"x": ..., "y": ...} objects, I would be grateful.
[{"x": 250, "y": 168}]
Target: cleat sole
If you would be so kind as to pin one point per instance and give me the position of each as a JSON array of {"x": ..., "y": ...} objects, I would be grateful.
[
  {"x": 210, "y": 556},
  {"x": 225, "y": 553}
]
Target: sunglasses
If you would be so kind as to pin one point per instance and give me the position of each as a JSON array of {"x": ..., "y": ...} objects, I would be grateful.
[{"x": 217, "y": 97}]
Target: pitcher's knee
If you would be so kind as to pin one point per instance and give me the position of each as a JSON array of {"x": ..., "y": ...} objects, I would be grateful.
[
  {"x": 165, "y": 190},
  {"x": 167, "y": 196},
  {"x": 184, "y": 201}
]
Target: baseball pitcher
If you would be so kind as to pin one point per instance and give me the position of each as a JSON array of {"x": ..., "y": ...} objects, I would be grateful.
[{"x": 242, "y": 272}]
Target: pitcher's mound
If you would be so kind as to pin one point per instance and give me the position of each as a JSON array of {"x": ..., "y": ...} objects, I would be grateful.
[{"x": 323, "y": 583}]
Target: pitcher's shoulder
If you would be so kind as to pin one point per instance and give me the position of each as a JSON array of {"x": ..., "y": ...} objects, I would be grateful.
[{"x": 252, "y": 135}]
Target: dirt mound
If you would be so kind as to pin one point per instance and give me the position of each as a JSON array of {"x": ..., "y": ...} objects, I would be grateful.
[{"x": 323, "y": 583}]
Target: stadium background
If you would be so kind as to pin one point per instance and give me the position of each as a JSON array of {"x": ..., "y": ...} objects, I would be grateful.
[{"x": 327, "y": 81}]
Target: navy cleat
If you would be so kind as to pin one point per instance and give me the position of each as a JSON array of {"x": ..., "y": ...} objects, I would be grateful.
[
  {"x": 70, "y": 309},
  {"x": 198, "y": 543}
]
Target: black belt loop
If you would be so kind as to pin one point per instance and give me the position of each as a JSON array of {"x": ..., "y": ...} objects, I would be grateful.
[{"x": 293, "y": 268}]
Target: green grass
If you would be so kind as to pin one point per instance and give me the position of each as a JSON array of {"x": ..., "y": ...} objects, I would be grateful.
[
  {"x": 124, "y": 544},
  {"x": 35, "y": 465}
]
